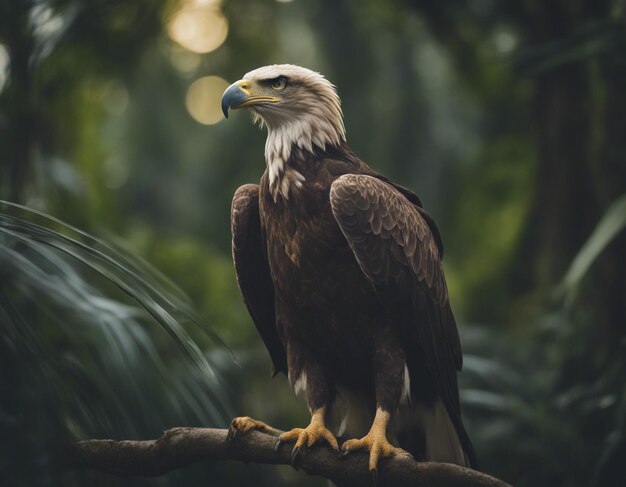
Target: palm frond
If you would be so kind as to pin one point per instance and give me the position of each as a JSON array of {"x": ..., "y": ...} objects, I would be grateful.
[
  {"x": 98, "y": 361},
  {"x": 609, "y": 227}
]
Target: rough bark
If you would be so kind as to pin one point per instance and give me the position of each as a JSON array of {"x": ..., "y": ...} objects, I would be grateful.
[{"x": 179, "y": 447}]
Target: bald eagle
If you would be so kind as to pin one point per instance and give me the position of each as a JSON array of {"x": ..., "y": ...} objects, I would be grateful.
[{"x": 340, "y": 269}]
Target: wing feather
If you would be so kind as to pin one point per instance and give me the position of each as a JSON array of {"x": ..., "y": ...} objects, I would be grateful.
[
  {"x": 397, "y": 249},
  {"x": 381, "y": 224},
  {"x": 252, "y": 270}
]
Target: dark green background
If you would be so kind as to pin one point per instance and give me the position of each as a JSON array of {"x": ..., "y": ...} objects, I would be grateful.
[{"x": 507, "y": 118}]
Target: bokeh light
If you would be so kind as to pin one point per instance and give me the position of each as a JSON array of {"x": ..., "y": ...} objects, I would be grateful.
[
  {"x": 505, "y": 41},
  {"x": 199, "y": 26},
  {"x": 185, "y": 62},
  {"x": 115, "y": 98},
  {"x": 4, "y": 65},
  {"x": 115, "y": 172},
  {"x": 203, "y": 99}
]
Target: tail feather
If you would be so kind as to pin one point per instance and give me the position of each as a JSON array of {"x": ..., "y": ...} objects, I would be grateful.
[
  {"x": 429, "y": 433},
  {"x": 442, "y": 442}
]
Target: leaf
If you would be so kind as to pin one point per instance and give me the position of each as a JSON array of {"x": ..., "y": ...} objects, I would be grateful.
[
  {"x": 609, "y": 227},
  {"x": 495, "y": 373},
  {"x": 591, "y": 40},
  {"x": 122, "y": 270},
  {"x": 96, "y": 362},
  {"x": 490, "y": 401}
]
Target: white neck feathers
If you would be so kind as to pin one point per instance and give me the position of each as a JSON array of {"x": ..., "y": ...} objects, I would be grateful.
[
  {"x": 311, "y": 119},
  {"x": 306, "y": 133}
]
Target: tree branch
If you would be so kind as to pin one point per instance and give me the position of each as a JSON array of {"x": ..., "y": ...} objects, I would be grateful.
[{"x": 179, "y": 447}]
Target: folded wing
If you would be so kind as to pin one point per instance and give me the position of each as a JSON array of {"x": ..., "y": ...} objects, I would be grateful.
[
  {"x": 253, "y": 272},
  {"x": 393, "y": 243}
]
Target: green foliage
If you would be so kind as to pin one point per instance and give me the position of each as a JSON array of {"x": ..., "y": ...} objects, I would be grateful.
[
  {"x": 209, "y": 276},
  {"x": 495, "y": 206},
  {"x": 547, "y": 390},
  {"x": 588, "y": 41},
  {"x": 475, "y": 105},
  {"x": 609, "y": 227},
  {"x": 71, "y": 334}
]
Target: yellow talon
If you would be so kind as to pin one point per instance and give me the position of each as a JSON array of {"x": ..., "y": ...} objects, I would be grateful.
[
  {"x": 309, "y": 436},
  {"x": 243, "y": 424},
  {"x": 375, "y": 441}
]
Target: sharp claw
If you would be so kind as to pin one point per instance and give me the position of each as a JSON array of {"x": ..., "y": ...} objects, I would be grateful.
[
  {"x": 374, "y": 477},
  {"x": 343, "y": 453},
  {"x": 295, "y": 457},
  {"x": 232, "y": 433},
  {"x": 277, "y": 444}
]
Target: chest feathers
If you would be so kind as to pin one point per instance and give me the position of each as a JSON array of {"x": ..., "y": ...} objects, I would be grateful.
[{"x": 305, "y": 133}]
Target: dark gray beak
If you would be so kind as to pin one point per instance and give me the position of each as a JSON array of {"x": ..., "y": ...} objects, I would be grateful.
[{"x": 232, "y": 97}]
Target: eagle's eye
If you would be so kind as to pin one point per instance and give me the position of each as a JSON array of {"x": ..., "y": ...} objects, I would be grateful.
[{"x": 279, "y": 84}]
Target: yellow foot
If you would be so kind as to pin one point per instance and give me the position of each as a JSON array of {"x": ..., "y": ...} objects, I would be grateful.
[
  {"x": 307, "y": 437},
  {"x": 378, "y": 447},
  {"x": 244, "y": 424},
  {"x": 376, "y": 443}
]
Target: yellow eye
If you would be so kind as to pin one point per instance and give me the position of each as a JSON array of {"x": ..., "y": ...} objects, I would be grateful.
[{"x": 279, "y": 84}]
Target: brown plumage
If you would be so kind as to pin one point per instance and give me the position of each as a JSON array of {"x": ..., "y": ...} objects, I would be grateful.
[{"x": 341, "y": 272}]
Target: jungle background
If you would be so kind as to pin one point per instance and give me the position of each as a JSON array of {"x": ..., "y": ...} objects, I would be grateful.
[{"x": 507, "y": 118}]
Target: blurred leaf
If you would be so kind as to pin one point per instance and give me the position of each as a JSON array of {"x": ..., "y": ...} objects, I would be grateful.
[
  {"x": 166, "y": 308},
  {"x": 489, "y": 401},
  {"x": 99, "y": 361},
  {"x": 590, "y": 40},
  {"x": 494, "y": 373},
  {"x": 609, "y": 227}
]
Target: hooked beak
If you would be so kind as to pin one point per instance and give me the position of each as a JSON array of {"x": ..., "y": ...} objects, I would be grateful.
[{"x": 239, "y": 95}]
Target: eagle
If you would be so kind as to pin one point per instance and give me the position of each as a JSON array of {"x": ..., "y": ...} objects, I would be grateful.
[{"x": 341, "y": 271}]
